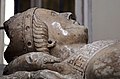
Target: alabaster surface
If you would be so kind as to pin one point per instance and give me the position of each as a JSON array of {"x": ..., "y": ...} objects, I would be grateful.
[{"x": 45, "y": 44}]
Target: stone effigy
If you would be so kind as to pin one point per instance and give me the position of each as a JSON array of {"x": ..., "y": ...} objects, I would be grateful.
[
  {"x": 38, "y": 29},
  {"x": 45, "y": 44}
]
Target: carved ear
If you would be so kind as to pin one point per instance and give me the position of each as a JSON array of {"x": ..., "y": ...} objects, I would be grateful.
[{"x": 66, "y": 15}]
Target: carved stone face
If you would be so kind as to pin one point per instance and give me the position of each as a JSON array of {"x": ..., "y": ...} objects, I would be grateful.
[
  {"x": 67, "y": 33},
  {"x": 61, "y": 28},
  {"x": 36, "y": 28}
]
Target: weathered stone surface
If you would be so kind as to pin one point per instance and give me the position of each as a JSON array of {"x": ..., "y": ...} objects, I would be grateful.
[
  {"x": 52, "y": 46},
  {"x": 41, "y": 74},
  {"x": 84, "y": 63},
  {"x": 105, "y": 64},
  {"x": 30, "y": 62},
  {"x": 38, "y": 30}
]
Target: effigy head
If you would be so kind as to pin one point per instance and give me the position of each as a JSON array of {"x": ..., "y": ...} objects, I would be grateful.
[
  {"x": 37, "y": 29},
  {"x": 62, "y": 28}
]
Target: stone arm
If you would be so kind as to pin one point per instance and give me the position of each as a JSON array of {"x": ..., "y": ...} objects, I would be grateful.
[
  {"x": 40, "y": 74},
  {"x": 38, "y": 65},
  {"x": 31, "y": 62},
  {"x": 89, "y": 62}
]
